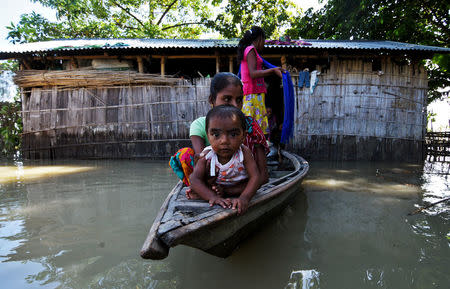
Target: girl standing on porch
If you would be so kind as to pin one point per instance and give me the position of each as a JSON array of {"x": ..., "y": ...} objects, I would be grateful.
[{"x": 252, "y": 74}]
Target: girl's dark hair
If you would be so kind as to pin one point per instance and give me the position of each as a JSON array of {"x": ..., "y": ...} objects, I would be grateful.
[
  {"x": 226, "y": 111},
  {"x": 220, "y": 81},
  {"x": 248, "y": 38}
]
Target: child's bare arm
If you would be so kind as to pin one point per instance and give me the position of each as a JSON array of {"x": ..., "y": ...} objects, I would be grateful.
[
  {"x": 241, "y": 203},
  {"x": 199, "y": 185}
]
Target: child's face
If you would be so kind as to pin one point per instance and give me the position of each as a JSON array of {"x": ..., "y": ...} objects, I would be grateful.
[
  {"x": 231, "y": 95},
  {"x": 225, "y": 136}
]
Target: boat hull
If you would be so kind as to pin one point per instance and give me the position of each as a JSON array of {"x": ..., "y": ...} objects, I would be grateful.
[
  {"x": 215, "y": 230},
  {"x": 222, "y": 238}
]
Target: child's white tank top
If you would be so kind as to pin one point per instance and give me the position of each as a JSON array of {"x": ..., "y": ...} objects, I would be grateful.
[{"x": 230, "y": 173}]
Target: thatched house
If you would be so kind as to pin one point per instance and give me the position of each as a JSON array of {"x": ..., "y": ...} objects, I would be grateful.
[{"x": 121, "y": 98}]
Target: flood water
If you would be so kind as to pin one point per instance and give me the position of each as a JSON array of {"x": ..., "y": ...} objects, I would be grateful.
[{"x": 81, "y": 224}]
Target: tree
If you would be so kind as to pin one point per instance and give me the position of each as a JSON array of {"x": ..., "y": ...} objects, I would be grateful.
[
  {"x": 412, "y": 21},
  {"x": 239, "y": 15},
  {"x": 10, "y": 118},
  {"x": 150, "y": 19},
  {"x": 114, "y": 19}
]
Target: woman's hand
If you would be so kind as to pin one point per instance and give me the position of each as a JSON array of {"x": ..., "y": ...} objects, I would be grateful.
[{"x": 279, "y": 71}]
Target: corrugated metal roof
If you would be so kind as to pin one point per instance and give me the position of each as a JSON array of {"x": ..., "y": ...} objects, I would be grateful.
[{"x": 67, "y": 45}]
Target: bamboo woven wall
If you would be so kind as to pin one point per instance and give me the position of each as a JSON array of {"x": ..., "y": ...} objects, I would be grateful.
[
  {"x": 359, "y": 114},
  {"x": 111, "y": 122},
  {"x": 354, "y": 113}
]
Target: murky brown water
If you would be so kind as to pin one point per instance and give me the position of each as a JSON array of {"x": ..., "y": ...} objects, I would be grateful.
[{"x": 80, "y": 224}]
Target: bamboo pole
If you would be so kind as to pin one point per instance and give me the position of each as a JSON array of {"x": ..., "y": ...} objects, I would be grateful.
[
  {"x": 429, "y": 206},
  {"x": 163, "y": 66},
  {"x": 140, "y": 64},
  {"x": 217, "y": 63}
]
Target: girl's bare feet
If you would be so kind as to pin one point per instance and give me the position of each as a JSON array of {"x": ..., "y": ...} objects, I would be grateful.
[{"x": 191, "y": 195}]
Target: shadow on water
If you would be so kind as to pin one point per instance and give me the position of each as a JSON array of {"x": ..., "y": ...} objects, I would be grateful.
[{"x": 347, "y": 228}]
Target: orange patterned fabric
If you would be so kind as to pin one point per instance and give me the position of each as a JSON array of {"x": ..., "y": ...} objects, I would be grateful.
[{"x": 182, "y": 163}]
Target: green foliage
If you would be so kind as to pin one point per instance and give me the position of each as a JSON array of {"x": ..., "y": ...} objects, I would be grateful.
[
  {"x": 10, "y": 65},
  {"x": 33, "y": 27},
  {"x": 114, "y": 19},
  {"x": 240, "y": 15},
  {"x": 10, "y": 118},
  {"x": 411, "y": 21},
  {"x": 152, "y": 19},
  {"x": 10, "y": 127}
]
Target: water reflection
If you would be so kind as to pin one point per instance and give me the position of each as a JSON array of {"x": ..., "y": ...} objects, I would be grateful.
[
  {"x": 9, "y": 174},
  {"x": 81, "y": 225},
  {"x": 347, "y": 228},
  {"x": 304, "y": 279}
]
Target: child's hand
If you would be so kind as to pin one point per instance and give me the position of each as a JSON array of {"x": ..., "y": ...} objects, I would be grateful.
[
  {"x": 198, "y": 156},
  {"x": 241, "y": 204},
  {"x": 224, "y": 203}
]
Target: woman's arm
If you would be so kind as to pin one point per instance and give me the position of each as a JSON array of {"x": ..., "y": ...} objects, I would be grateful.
[
  {"x": 251, "y": 62},
  {"x": 199, "y": 186},
  {"x": 261, "y": 162},
  {"x": 198, "y": 144},
  {"x": 241, "y": 203}
]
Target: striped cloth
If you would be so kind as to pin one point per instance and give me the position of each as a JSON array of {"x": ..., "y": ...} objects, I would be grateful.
[{"x": 182, "y": 163}]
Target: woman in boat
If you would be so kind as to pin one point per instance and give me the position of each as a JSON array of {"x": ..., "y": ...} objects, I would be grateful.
[
  {"x": 227, "y": 159},
  {"x": 252, "y": 73},
  {"x": 226, "y": 88}
]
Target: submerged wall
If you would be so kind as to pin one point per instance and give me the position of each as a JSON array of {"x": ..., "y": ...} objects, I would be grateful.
[
  {"x": 358, "y": 113},
  {"x": 111, "y": 122}
]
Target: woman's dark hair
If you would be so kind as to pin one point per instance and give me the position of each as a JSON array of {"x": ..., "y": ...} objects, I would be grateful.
[
  {"x": 220, "y": 81},
  {"x": 248, "y": 38},
  {"x": 226, "y": 111}
]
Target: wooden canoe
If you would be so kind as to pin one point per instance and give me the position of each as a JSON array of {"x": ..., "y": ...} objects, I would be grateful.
[{"x": 215, "y": 230}]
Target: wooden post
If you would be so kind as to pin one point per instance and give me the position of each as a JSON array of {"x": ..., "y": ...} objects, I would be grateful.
[
  {"x": 25, "y": 63},
  {"x": 163, "y": 66},
  {"x": 73, "y": 63},
  {"x": 217, "y": 63},
  {"x": 230, "y": 63},
  {"x": 140, "y": 64}
]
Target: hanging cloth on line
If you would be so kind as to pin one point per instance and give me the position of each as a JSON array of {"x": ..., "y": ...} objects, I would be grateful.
[{"x": 289, "y": 103}]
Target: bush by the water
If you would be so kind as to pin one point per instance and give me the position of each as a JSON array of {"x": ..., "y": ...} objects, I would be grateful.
[{"x": 10, "y": 127}]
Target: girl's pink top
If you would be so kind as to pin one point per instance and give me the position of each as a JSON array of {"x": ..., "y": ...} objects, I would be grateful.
[{"x": 252, "y": 85}]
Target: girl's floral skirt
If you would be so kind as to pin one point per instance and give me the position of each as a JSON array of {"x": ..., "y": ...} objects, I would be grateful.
[{"x": 254, "y": 106}]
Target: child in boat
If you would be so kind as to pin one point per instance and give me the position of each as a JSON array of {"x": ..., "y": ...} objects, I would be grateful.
[
  {"x": 227, "y": 160},
  {"x": 226, "y": 88}
]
